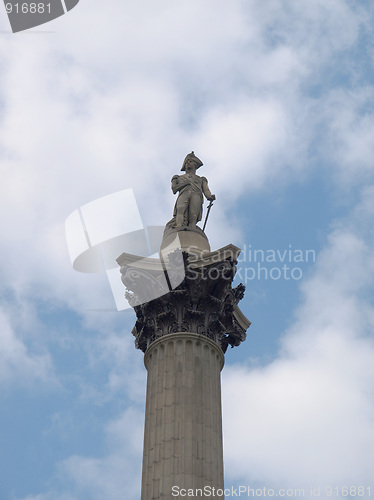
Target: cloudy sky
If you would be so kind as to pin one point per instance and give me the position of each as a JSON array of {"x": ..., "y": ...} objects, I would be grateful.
[{"x": 277, "y": 98}]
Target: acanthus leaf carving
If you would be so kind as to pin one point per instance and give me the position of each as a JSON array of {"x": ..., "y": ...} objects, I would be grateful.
[{"x": 204, "y": 302}]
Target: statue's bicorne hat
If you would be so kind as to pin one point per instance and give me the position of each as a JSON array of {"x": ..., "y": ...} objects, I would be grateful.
[{"x": 192, "y": 156}]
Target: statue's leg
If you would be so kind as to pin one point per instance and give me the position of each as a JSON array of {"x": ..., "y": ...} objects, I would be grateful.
[
  {"x": 181, "y": 206},
  {"x": 194, "y": 208}
]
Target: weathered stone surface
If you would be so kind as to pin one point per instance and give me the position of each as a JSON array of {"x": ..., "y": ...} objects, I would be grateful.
[{"x": 183, "y": 429}]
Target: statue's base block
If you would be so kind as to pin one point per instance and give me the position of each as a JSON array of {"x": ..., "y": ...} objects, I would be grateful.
[{"x": 192, "y": 241}]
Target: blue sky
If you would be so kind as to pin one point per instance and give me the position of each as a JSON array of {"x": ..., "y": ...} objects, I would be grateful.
[{"x": 276, "y": 98}]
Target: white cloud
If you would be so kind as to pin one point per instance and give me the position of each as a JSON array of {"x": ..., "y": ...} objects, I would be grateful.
[
  {"x": 19, "y": 366},
  {"x": 126, "y": 375},
  {"x": 350, "y": 133},
  {"x": 254, "y": 134},
  {"x": 116, "y": 474},
  {"x": 306, "y": 419}
]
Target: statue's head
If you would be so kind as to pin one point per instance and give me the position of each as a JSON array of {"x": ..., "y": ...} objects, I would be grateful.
[{"x": 191, "y": 158}]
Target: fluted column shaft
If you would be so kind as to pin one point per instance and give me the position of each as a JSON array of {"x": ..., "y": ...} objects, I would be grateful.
[{"x": 183, "y": 417}]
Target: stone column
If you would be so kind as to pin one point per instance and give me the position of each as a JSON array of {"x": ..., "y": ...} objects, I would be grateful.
[
  {"x": 183, "y": 421},
  {"x": 187, "y": 315}
]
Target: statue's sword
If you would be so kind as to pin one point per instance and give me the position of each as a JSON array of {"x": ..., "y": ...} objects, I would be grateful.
[{"x": 207, "y": 214}]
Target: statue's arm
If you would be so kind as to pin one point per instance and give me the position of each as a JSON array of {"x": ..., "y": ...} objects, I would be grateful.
[
  {"x": 206, "y": 190},
  {"x": 175, "y": 183},
  {"x": 178, "y": 182}
]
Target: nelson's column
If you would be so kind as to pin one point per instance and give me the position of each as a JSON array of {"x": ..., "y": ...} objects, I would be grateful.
[{"x": 187, "y": 315}]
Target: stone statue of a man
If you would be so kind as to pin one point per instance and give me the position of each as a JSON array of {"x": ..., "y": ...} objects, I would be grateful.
[{"x": 191, "y": 187}]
